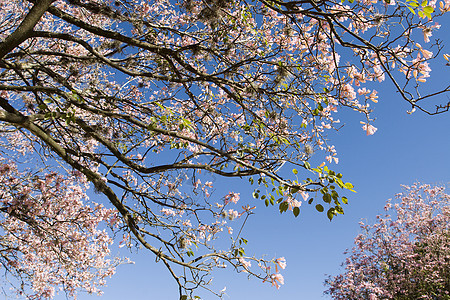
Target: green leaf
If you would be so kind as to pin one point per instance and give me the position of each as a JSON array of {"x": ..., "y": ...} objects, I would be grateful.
[
  {"x": 267, "y": 202},
  {"x": 334, "y": 195},
  {"x": 162, "y": 107},
  {"x": 283, "y": 207},
  {"x": 330, "y": 213},
  {"x": 320, "y": 107},
  {"x": 296, "y": 211},
  {"x": 319, "y": 208},
  {"x": 411, "y": 10},
  {"x": 326, "y": 198},
  {"x": 310, "y": 200},
  {"x": 285, "y": 141},
  {"x": 295, "y": 171},
  {"x": 348, "y": 186},
  {"x": 344, "y": 200},
  {"x": 184, "y": 297},
  {"x": 413, "y": 4},
  {"x": 339, "y": 210},
  {"x": 307, "y": 165},
  {"x": 428, "y": 9}
]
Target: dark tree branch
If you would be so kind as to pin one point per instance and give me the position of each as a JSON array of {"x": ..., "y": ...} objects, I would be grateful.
[{"x": 25, "y": 28}]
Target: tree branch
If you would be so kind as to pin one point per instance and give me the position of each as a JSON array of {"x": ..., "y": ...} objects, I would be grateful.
[{"x": 25, "y": 28}]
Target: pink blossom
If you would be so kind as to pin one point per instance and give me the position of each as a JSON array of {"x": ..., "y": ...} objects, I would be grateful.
[
  {"x": 331, "y": 158},
  {"x": 187, "y": 223},
  {"x": 363, "y": 91},
  {"x": 281, "y": 262},
  {"x": 293, "y": 203},
  {"x": 277, "y": 280},
  {"x": 427, "y": 54},
  {"x": 209, "y": 184},
  {"x": 168, "y": 212},
  {"x": 373, "y": 96},
  {"x": 232, "y": 214},
  {"x": 369, "y": 129},
  {"x": 231, "y": 197},
  {"x": 427, "y": 31},
  {"x": 245, "y": 263},
  {"x": 305, "y": 195},
  {"x": 197, "y": 183}
]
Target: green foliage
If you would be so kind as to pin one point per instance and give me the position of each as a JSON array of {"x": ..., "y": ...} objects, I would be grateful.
[
  {"x": 319, "y": 207},
  {"x": 331, "y": 180},
  {"x": 422, "y": 9}
]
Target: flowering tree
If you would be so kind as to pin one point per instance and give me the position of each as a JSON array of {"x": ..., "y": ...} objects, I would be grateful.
[
  {"x": 50, "y": 237},
  {"x": 405, "y": 255},
  {"x": 150, "y": 100}
]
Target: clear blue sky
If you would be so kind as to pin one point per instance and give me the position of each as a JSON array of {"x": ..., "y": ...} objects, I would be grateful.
[{"x": 405, "y": 149}]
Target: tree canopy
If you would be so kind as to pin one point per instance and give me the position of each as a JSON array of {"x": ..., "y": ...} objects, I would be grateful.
[
  {"x": 146, "y": 100},
  {"x": 405, "y": 255}
]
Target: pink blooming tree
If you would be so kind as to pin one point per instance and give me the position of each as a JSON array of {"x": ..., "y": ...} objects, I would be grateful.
[
  {"x": 150, "y": 101},
  {"x": 405, "y": 255},
  {"x": 50, "y": 234}
]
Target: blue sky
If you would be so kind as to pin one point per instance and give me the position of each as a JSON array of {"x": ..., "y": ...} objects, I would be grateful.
[{"x": 405, "y": 149}]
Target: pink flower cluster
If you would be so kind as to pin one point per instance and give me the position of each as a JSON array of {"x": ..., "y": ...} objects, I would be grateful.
[
  {"x": 405, "y": 255},
  {"x": 51, "y": 237}
]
